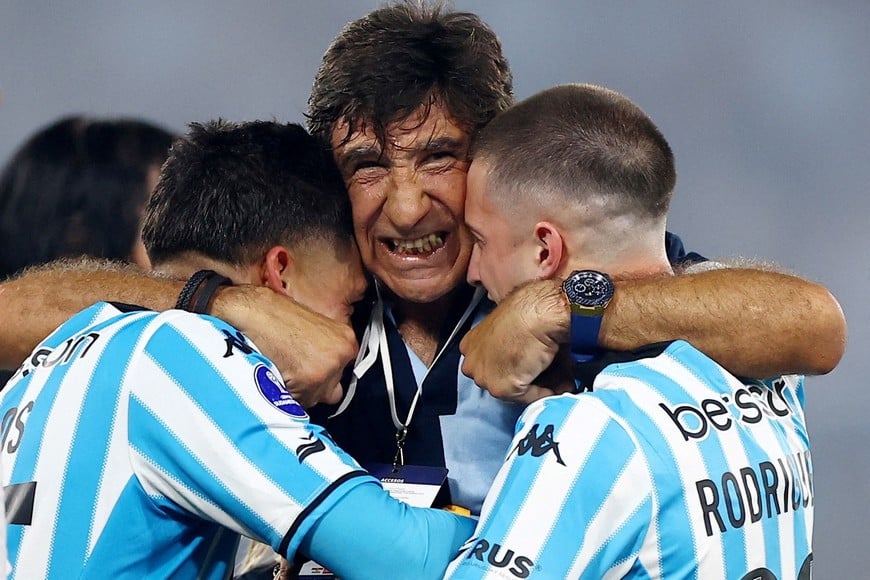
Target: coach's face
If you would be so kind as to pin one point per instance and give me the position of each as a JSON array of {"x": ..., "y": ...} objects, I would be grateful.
[{"x": 408, "y": 202}]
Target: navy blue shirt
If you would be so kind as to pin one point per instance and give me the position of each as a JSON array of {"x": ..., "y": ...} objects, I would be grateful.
[{"x": 455, "y": 425}]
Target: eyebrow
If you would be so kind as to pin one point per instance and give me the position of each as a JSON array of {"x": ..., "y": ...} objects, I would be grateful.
[
  {"x": 349, "y": 157},
  {"x": 440, "y": 143},
  {"x": 352, "y": 155}
]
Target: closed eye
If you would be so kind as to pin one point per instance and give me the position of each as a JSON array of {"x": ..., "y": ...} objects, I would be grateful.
[
  {"x": 361, "y": 165},
  {"x": 478, "y": 241}
]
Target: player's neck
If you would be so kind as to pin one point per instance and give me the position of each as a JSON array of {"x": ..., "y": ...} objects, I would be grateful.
[{"x": 184, "y": 266}]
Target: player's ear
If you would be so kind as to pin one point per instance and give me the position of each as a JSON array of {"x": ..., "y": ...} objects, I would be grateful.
[
  {"x": 550, "y": 249},
  {"x": 276, "y": 268}
]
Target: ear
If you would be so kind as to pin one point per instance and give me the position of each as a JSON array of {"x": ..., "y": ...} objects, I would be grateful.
[
  {"x": 550, "y": 250},
  {"x": 276, "y": 268}
]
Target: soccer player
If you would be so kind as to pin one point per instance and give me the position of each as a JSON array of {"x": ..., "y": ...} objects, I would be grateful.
[
  {"x": 659, "y": 463},
  {"x": 399, "y": 96},
  {"x": 143, "y": 444}
]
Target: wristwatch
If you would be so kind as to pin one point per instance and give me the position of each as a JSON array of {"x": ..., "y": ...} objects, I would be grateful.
[{"x": 589, "y": 292}]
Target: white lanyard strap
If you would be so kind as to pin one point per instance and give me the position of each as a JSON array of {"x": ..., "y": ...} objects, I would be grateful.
[
  {"x": 368, "y": 351},
  {"x": 374, "y": 342},
  {"x": 388, "y": 375}
]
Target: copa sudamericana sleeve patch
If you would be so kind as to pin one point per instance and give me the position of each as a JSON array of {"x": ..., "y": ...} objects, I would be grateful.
[{"x": 274, "y": 392}]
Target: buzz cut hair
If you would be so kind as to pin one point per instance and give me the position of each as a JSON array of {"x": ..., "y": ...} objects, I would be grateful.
[{"x": 583, "y": 142}]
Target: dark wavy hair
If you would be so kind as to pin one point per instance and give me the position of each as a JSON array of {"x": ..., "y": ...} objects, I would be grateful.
[
  {"x": 77, "y": 187},
  {"x": 384, "y": 66},
  {"x": 230, "y": 191}
]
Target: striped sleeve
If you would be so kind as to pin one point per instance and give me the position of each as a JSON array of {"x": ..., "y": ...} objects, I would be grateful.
[
  {"x": 214, "y": 433},
  {"x": 92, "y": 315},
  {"x": 574, "y": 477}
]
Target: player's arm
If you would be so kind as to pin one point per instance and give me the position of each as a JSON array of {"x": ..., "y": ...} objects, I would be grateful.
[
  {"x": 755, "y": 323},
  {"x": 368, "y": 534},
  {"x": 260, "y": 467},
  {"x": 40, "y": 299},
  {"x": 309, "y": 349}
]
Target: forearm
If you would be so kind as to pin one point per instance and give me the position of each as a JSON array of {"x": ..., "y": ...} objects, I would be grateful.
[
  {"x": 310, "y": 350},
  {"x": 368, "y": 534},
  {"x": 755, "y": 323},
  {"x": 41, "y": 299}
]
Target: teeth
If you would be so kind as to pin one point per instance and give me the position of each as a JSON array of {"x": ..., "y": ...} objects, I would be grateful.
[{"x": 419, "y": 245}]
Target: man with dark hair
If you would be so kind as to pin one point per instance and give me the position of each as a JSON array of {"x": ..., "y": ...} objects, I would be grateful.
[
  {"x": 661, "y": 464},
  {"x": 451, "y": 60},
  {"x": 144, "y": 443},
  {"x": 399, "y": 96},
  {"x": 403, "y": 155}
]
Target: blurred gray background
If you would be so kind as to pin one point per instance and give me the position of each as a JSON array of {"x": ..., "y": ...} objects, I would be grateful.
[{"x": 764, "y": 104}]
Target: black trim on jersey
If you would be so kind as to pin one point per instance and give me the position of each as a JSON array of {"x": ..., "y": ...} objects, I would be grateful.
[
  {"x": 19, "y": 503},
  {"x": 285, "y": 541},
  {"x": 585, "y": 372},
  {"x": 124, "y": 307}
]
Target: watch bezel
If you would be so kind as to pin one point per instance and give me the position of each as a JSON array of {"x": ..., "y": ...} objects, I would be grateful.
[{"x": 597, "y": 297}]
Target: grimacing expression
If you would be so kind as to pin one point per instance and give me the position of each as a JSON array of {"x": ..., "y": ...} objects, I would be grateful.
[
  {"x": 504, "y": 249},
  {"x": 408, "y": 202},
  {"x": 327, "y": 277}
]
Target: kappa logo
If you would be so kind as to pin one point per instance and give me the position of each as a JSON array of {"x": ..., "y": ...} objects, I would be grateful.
[
  {"x": 306, "y": 449},
  {"x": 274, "y": 392},
  {"x": 236, "y": 340},
  {"x": 538, "y": 445}
]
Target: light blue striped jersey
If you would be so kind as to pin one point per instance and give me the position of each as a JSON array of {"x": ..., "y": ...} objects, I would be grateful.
[
  {"x": 144, "y": 443},
  {"x": 669, "y": 468}
]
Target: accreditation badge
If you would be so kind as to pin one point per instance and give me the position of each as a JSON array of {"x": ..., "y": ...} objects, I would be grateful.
[{"x": 416, "y": 485}]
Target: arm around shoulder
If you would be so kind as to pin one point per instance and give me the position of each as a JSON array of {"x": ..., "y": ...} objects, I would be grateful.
[
  {"x": 367, "y": 533},
  {"x": 309, "y": 349},
  {"x": 755, "y": 323},
  {"x": 41, "y": 299}
]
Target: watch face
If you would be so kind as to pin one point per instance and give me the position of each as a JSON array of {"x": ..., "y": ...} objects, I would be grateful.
[{"x": 588, "y": 288}]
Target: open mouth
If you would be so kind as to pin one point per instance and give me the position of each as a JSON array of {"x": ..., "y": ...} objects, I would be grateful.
[{"x": 417, "y": 246}]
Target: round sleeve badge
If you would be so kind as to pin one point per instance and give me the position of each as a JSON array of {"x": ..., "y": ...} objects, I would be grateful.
[{"x": 273, "y": 391}]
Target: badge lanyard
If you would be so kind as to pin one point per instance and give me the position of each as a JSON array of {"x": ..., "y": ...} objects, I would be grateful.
[{"x": 374, "y": 341}]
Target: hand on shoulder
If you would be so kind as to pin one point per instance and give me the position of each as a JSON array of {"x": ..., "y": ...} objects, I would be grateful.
[
  {"x": 309, "y": 349},
  {"x": 511, "y": 352}
]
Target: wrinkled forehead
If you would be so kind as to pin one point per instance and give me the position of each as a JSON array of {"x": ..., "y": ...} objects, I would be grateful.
[{"x": 425, "y": 124}]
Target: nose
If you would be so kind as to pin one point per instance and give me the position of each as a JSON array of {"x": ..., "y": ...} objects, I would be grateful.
[
  {"x": 473, "y": 275},
  {"x": 407, "y": 201}
]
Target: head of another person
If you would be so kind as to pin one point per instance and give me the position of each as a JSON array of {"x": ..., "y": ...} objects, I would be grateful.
[
  {"x": 78, "y": 187},
  {"x": 574, "y": 177},
  {"x": 397, "y": 96},
  {"x": 262, "y": 203}
]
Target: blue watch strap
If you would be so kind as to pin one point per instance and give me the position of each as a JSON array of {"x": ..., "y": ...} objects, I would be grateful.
[{"x": 584, "y": 335}]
